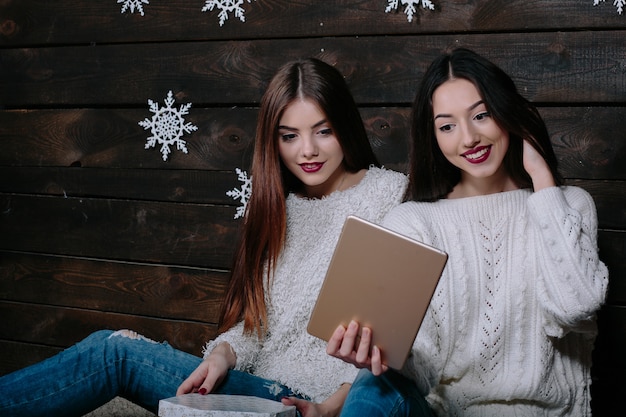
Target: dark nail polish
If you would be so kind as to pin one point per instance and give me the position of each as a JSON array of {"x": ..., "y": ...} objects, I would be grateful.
[{"x": 202, "y": 391}]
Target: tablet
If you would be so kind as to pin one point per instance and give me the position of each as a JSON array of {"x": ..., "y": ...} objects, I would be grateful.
[{"x": 382, "y": 280}]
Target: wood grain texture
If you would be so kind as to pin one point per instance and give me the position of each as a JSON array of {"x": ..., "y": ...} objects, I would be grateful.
[
  {"x": 60, "y": 327},
  {"x": 587, "y": 141},
  {"x": 197, "y": 186},
  {"x": 17, "y": 355},
  {"x": 574, "y": 67},
  {"x": 25, "y": 22},
  {"x": 113, "y": 138},
  {"x": 198, "y": 235},
  {"x": 159, "y": 291}
]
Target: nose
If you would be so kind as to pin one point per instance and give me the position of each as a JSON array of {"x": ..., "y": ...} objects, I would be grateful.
[
  {"x": 309, "y": 147},
  {"x": 470, "y": 136}
]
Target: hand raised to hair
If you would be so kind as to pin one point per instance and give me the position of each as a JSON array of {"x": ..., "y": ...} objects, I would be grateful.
[{"x": 537, "y": 168}]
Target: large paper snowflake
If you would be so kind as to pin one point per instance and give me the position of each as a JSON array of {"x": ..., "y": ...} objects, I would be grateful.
[
  {"x": 620, "y": 4},
  {"x": 167, "y": 125},
  {"x": 132, "y": 4},
  {"x": 225, "y": 7},
  {"x": 411, "y": 6},
  {"x": 243, "y": 194}
]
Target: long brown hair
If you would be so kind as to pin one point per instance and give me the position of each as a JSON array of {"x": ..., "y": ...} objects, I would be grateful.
[{"x": 265, "y": 222}]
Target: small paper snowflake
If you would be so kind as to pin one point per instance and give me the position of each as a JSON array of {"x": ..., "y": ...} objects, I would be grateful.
[
  {"x": 132, "y": 4},
  {"x": 243, "y": 194},
  {"x": 226, "y": 6},
  {"x": 167, "y": 125},
  {"x": 620, "y": 4},
  {"x": 411, "y": 6}
]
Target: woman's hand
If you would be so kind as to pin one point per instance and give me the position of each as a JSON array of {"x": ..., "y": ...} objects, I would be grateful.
[
  {"x": 346, "y": 345},
  {"x": 210, "y": 373},
  {"x": 306, "y": 408},
  {"x": 537, "y": 168},
  {"x": 329, "y": 408}
]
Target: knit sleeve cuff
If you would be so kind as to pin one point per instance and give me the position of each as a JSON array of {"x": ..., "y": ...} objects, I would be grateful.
[{"x": 245, "y": 346}]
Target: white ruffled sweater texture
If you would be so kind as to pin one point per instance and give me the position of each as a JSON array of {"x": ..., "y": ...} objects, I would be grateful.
[
  {"x": 288, "y": 354},
  {"x": 511, "y": 326}
]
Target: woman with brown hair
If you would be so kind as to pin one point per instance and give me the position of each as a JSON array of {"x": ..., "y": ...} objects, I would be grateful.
[{"x": 312, "y": 167}]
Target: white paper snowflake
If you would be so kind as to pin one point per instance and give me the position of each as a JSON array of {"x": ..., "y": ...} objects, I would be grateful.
[
  {"x": 167, "y": 126},
  {"x": 411, "y": 6},
  {"x": 225, "y": 7},
  {"x": 132, "y": 4},
  {"x": 620, "y": 4},
  {"x": 242, "y": 194}
]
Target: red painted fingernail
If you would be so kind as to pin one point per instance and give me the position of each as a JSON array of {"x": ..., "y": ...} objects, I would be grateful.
[{"x": 202, "y": 391}]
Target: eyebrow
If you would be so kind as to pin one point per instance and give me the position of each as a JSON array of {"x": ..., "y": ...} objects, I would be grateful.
[
  {"x": 472, "y": 107},
  {"x": 321, "y": 122}
]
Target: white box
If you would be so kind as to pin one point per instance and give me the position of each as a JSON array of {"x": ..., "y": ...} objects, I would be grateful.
[{"x": 214, "y": 405}]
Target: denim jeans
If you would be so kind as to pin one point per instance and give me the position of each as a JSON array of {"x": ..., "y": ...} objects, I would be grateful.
[
  {"x": 107, "y": 364},
  {"x": 387, "y": 395}
]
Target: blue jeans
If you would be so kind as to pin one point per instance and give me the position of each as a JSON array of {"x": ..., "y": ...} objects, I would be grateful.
[
  {"x": 387, "y": 395},
  {"x": 107, "y": 364}
]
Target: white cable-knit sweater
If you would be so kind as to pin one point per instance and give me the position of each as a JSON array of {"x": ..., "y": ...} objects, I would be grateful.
[
  {"x": 511, "y": 326},
  {"x": 288, "y": 354}
]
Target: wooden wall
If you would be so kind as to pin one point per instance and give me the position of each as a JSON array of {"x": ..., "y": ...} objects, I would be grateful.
[{"x": 98, "y": 232}]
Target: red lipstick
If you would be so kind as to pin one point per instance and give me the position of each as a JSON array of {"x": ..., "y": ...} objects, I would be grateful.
[
  {"x": 311, "y": 167},
  {"x": 477, "y": 155}
]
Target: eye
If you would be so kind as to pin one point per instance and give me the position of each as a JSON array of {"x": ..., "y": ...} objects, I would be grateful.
[
  {"x": 446, "y": 128},
  {"x": 482, "y": 115},
  {"x": 325, "y": 132},
  {"x": 287, "y": 137}
]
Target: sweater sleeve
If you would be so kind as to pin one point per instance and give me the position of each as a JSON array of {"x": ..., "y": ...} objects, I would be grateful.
[
  {"x": 244, "y": 345},
  {"x": 573, "y": 281}
]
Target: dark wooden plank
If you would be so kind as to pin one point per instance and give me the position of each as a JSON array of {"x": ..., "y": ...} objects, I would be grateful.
[
  {"x": 147, "y": 290},
  {"x": 16, "y": 355},
  {"x": 587, "y": 142},
  {"x": 189, "y": 186},
  {"x": 113, "y": 138},
  {"x": 69, "y": 21},
  {"x": 573, "y": 67},
  {"x": 62, "y": 327},
  {"x": 609, "y": 362},
  {"x": 171, "y": 233},
  {"x": 610, "y": 200},
  {"x": 612, "y": 246}
]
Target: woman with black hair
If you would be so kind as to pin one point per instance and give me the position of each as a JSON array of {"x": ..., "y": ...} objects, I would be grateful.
[{"x": 511, "y": 326}]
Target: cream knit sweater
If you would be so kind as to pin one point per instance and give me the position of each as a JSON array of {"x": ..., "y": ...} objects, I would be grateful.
[
  {"x": 511, "y": 326},
  {"x": 288, "y": 354}
]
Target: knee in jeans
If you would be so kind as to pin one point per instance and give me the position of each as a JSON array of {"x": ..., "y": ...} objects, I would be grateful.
[{"x": 131, "y": 335}]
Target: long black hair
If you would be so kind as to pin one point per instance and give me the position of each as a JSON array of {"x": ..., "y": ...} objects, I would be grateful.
[{"x": 431, "y": 175}]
